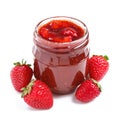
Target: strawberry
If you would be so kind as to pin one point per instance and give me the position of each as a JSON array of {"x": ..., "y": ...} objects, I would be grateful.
[
  {"x": 37, "y": 95},
  {"x": 88, "y": 90},
  {"x": 98, "y": 66},
  {"x": 21, "y": 75}
]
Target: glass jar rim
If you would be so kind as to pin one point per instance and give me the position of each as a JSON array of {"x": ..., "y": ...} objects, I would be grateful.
[{"x": 40, "y": 41}]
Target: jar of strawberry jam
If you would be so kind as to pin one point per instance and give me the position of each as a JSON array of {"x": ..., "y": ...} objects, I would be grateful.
[{"x": 61, "y": 53}]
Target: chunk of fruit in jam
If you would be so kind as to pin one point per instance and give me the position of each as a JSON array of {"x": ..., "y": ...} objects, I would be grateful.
[
  {"x": 68, "y": 31},
  {"x": 61, "y": 31}
]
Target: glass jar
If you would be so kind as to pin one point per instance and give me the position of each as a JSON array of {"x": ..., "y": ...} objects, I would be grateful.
[{"x": 62, "y": 66}]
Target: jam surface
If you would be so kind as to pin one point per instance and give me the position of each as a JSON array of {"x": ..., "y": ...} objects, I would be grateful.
[
  {"x": 61, "y": 71},
  {"x": 61, "y": 31}
]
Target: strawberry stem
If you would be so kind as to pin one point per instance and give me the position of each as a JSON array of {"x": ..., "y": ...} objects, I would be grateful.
[{"x": 23, "y": 62}]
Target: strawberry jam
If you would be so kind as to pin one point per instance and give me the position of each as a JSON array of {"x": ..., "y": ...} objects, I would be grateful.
[
  {"x": 61, "y": 31},
  {"x": 61, "y": 53}
]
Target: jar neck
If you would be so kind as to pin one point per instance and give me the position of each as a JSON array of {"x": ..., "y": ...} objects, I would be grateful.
[
  {"x": 65, "y": 46},
  {"x": 60, "y": 47}
]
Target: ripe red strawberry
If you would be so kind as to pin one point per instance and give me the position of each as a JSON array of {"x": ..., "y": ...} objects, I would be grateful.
[
  {"x": 98, "y": 67},
  {"x": 38, "y": 95},
  {"x": 87, "y": 91},
  {"x": 21, "y": 75}
]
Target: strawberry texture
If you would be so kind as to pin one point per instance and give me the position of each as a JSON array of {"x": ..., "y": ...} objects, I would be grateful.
[
  {"x": 38, "y": 95},
  {"x": 98, "y": 67},
  {"x": 87, "y": 91},
  {"x": 21, "y": 75}
]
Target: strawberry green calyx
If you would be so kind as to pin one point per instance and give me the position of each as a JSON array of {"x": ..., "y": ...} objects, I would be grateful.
[
  {"x": 106, "y": 57},
  {"x": 23, "y": 62},
  {"x": 99, "y": 86},
  {"x": 26, "y": 90}
]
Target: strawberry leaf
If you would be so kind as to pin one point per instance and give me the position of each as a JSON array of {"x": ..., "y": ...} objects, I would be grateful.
[
  {"x": 99, "y": 86},
  {"x": 26, "y": 90},
  {"x": 106, "y": 57},
  {"x": 23, "y": 62}
]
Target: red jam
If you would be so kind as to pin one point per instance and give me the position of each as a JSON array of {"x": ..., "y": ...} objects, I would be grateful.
[
  {"x": 61, "y": 31},
  {"x": 61, "y": 53}
]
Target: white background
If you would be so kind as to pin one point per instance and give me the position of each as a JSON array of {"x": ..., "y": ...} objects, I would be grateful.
[{"x": 18, "y": 19}]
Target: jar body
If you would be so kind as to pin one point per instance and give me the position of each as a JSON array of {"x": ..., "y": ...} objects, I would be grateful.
[{"x": 61, "y": 66}]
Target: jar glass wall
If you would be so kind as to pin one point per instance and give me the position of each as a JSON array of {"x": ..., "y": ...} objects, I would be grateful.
[{"x": 62, "y": 66}]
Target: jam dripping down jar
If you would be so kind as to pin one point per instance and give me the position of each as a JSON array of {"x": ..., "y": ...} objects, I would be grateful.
[{"x": 62, "y": 66}]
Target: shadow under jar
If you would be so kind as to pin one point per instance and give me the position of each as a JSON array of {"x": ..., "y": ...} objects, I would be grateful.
[{"x": 61, "y": 63}]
